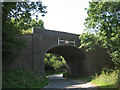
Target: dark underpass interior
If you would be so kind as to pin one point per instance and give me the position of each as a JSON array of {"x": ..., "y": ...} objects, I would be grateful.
[{"x": 75, "y": 59}]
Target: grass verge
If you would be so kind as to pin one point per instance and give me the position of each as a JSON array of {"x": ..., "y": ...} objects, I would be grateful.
[
  {"x": 108, "y": 78},
  {"x": 22, "y": 79}
]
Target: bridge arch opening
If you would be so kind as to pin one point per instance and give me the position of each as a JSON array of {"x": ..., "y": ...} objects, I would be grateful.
[{"x": 75, "y": 59}]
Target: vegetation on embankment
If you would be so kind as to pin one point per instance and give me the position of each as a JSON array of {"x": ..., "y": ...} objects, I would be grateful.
[
  {"x": 107, "y": 78},
  {"x": 102, "y": 29},
  {"x": 15, "y": 22},
  {"x": 22, "y": 79}
]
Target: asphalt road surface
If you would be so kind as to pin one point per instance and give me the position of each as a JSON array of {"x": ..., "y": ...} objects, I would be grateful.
[{"x": 58, "y": 82}]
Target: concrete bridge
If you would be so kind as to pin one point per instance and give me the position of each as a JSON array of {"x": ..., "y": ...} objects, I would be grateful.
[{"x": 44, "y": 41}]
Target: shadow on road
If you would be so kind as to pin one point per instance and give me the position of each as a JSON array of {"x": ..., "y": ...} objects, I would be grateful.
[{"x": 57, "y": 82}]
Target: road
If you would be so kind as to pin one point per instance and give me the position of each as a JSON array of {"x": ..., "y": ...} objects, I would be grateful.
[{"x": 57, "y": 81}]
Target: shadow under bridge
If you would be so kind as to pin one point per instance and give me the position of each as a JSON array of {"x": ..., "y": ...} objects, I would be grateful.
[{"x": 75, "y": 59}]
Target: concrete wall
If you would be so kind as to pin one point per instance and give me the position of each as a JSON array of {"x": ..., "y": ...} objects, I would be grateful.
[
  {"x": 80, "y": 63},
  {"x": 97, "y": 59},
  {"x": 39, "y": 52},
  {"x": 24, "y": 59}
]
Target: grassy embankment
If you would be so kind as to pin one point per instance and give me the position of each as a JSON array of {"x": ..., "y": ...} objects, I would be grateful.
[
  {"x": 106, "y": 79},
  {"x": 22, "y": 79}
]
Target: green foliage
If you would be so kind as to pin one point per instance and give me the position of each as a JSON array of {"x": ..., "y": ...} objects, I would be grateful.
[
  {"x": 21, "y": 12},
  {"x": 108, "y": 77},
  {"x": 103, "y": 16},
  {"x": 29, "y": 31},
  {"x": 51, "y": 72},
  {"x": 89, "y": 40},
  {"x": 22, "y": 79},
  {"x": 11, "y": 41},
  {"x": 52, "y": 62},
  {"x": 38, "y": 23},
  {"x": 16, "y": 17},
  {"x": 103, "y": 29},
  {"x": 32, "y": 24}
]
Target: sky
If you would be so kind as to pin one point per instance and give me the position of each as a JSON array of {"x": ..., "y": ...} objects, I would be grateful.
[{"x": 65, "y": 15}]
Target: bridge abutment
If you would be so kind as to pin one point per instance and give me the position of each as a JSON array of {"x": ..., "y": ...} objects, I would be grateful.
[{"x": 38, "y": 51}]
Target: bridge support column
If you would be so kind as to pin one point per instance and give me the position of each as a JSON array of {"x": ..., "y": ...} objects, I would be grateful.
[{"x": 38, "y": 51}]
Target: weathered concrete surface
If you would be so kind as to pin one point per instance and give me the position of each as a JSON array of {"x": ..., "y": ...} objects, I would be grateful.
[
  {"x": 39, "y": 52},
  {"x": 79, "y": 62},
  {"x": 97, "y": 59},
  {"x": 24, "y": 59},
  {"x": 47, "y": 41}
]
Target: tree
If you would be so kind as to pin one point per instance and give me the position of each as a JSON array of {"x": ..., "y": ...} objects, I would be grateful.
[
  {"x": 103, "y": 29},
  {"x": 28, "y": 26},
  {"x": 38, "y": 23},
  {"x": 54, "y": 62},
  {"x": 20, "y": 12}
]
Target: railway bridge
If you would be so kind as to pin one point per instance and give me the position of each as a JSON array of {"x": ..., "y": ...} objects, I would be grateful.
[{"x": 42, "y": 41}]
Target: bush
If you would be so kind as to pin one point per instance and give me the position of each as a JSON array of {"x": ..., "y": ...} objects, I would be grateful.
[
  {"x": 53, "y": 62},
  {"x": 107, "y": 77},
  {"x": 22, "y": 79}
]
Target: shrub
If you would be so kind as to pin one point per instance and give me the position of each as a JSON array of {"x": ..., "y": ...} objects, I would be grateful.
[
  {"x": 52, "y": 62},
  {"x": 106, "y": 77},
  {"x": 22, "y": 79}
]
